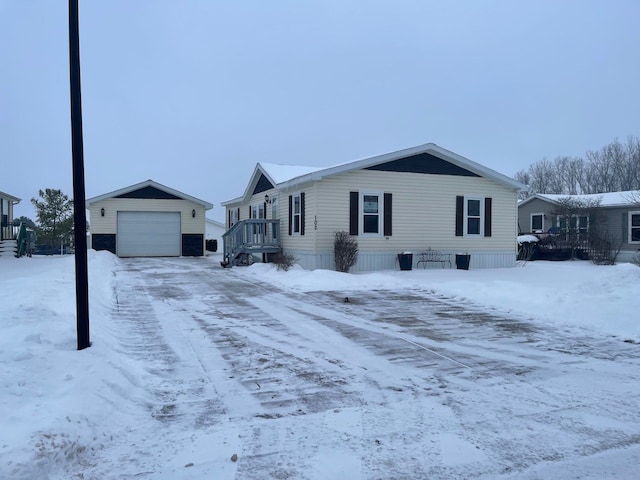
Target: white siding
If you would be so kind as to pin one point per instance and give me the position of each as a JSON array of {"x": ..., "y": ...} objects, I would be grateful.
[
  {"x": 108, "y": 223},
  {"x": 424, "y": 213},
  {"x": 424, "y": 209}
]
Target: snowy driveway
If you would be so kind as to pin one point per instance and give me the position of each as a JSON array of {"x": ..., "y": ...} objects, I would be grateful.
[{"x": 360, "y": 385}]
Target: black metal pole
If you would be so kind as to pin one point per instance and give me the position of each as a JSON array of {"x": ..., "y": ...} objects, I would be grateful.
[{"x": 77, "y": 154}]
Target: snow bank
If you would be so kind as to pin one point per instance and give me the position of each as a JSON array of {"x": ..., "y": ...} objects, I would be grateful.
[
  {"x": 61, "y": 394},
  {"x": 572, "y": 293}
]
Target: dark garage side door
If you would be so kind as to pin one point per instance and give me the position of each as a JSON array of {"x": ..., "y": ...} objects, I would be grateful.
[{"x": 148, "y": 234}]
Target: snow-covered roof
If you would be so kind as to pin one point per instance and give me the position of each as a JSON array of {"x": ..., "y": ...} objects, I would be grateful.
[
  {"x": 214, "y": 223},
  {"x": 282, "y": 176},
  {"x": 148, "y": 183},
  {"x": 284, "y": 173},
  {"x": 610, "y": 199}
]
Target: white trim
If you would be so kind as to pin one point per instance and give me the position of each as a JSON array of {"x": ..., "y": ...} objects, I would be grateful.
[
  {"x": 11, "y": 198},
  {"x": 361, "y": 213},
  {"x": 465, "y": 216},
  {"x": 148, "y": 183},
  {"x": 541, "y": 230},
  {"x": 630, "y": 217},
  {"x": 315, "y": 174}
]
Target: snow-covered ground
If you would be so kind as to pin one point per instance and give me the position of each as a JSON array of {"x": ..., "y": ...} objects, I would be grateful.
[{"x": 177, "y": 377}]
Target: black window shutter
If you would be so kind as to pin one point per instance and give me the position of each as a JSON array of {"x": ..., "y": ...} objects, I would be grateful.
[
  {"x": 487, "y": 217},
  {"x": 625, "y": 228},
  {"x": 387, "y": 214},
  {"x": 353, "y": 213},
  {"x": 249, "y": 212},
  {"x": 264, "y": 205},
  {"x": 238, "y": 219},
  {"x": 290, "y": 214},
  {"x": 302, "y": 213},
  {"x": 229, "y": 219},
  {"x": 459, "y": 215}
]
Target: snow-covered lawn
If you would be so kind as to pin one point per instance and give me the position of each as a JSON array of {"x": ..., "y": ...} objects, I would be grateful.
[{"x": 183, "y": 374}]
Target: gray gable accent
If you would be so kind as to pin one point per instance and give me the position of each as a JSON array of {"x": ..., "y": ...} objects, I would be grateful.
[{"x": 423, "y": 163}]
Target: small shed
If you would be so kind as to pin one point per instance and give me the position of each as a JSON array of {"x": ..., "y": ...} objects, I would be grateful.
[{"x": 148, "y": 220}]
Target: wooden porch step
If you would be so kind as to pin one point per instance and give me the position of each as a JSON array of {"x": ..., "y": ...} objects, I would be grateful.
[{"x": 8, "y": 248}]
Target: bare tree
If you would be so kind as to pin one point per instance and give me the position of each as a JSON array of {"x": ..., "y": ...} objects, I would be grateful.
[
  {"x": 570, "y": 171},
  {"x": 542, "y": 177},
  {"x": 525, "y": 178},
  {"x": 577, "y": 219},
  {"x": 632, "y": 150},
  {"x": 613, "y": 168}
]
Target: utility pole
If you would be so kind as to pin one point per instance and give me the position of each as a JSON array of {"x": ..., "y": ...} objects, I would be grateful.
[{"x": 77, "y": 154}]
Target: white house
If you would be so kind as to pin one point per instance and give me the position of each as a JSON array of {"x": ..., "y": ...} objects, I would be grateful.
[
  {"x": 214, "y": 231},
  {"x": 8, "y": 231},
  {"x": 409, "y": 200}
]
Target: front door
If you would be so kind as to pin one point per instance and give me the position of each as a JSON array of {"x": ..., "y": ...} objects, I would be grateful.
[{"x": 258, "y": 230}]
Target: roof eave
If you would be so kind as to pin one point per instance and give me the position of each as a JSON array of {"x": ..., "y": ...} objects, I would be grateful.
[
  {"x": 148, "y": 183},
  {"x": 386, "y": 157},
  {"x": 14, "y": 200}
]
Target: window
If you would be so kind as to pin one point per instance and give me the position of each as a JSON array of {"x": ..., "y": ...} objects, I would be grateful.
[
  {"x": 233, "y": 217},
  {"x": 473, "y": 215},
  {"x": 371, "y": 213},
  {"x": 258, "y": 211},
  {"x": 634, "y": 227},
  {"x": 297, "y": 213},
  {"x": 537, "y": 222},
  {"x": 576, "y": 228}
]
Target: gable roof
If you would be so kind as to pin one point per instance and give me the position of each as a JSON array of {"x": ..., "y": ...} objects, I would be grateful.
[
  {"x": 148, "y": 186},
  {"x": 10, "y": 197},
  {"x": 609, "y": 199},
  {"x": 215, "y": 223},
  {"x": 284, "y": 176}
]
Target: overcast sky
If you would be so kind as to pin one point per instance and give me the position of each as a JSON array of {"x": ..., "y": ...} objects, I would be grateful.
[{"x": 193, "y": 93}]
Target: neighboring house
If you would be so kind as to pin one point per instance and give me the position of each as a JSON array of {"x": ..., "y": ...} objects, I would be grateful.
[
  {"x": 8, "y": 231},
  {"x": 6, "y": 220},
  {"x": 407, "y": 200},
  {"x": 215, "y": 230},
  {"x": 148, "y": 220},
  {"x": 618, "y": 216}
]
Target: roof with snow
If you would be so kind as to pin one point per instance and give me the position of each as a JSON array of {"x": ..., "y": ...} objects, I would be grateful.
[
  {"x": 268, "y": 175},
  {"x": 610, "y": 199}
]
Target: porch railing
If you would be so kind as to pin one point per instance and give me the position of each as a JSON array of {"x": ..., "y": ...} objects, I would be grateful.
[
  {"x": 248, "y": 237},
  {"x": 9, "y": 231}
]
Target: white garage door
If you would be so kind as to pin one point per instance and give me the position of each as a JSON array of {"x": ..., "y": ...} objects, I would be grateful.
[{"x": 148, "y": 234}]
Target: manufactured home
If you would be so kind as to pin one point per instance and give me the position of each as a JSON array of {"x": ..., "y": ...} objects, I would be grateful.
[{"x": 425, "y": 197}]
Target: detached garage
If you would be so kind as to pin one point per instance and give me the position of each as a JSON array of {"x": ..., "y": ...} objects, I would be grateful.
[{"x": 148, "y": 220}]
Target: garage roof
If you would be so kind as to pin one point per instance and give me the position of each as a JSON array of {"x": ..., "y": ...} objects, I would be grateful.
[{"x": 150, "y": 188}]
